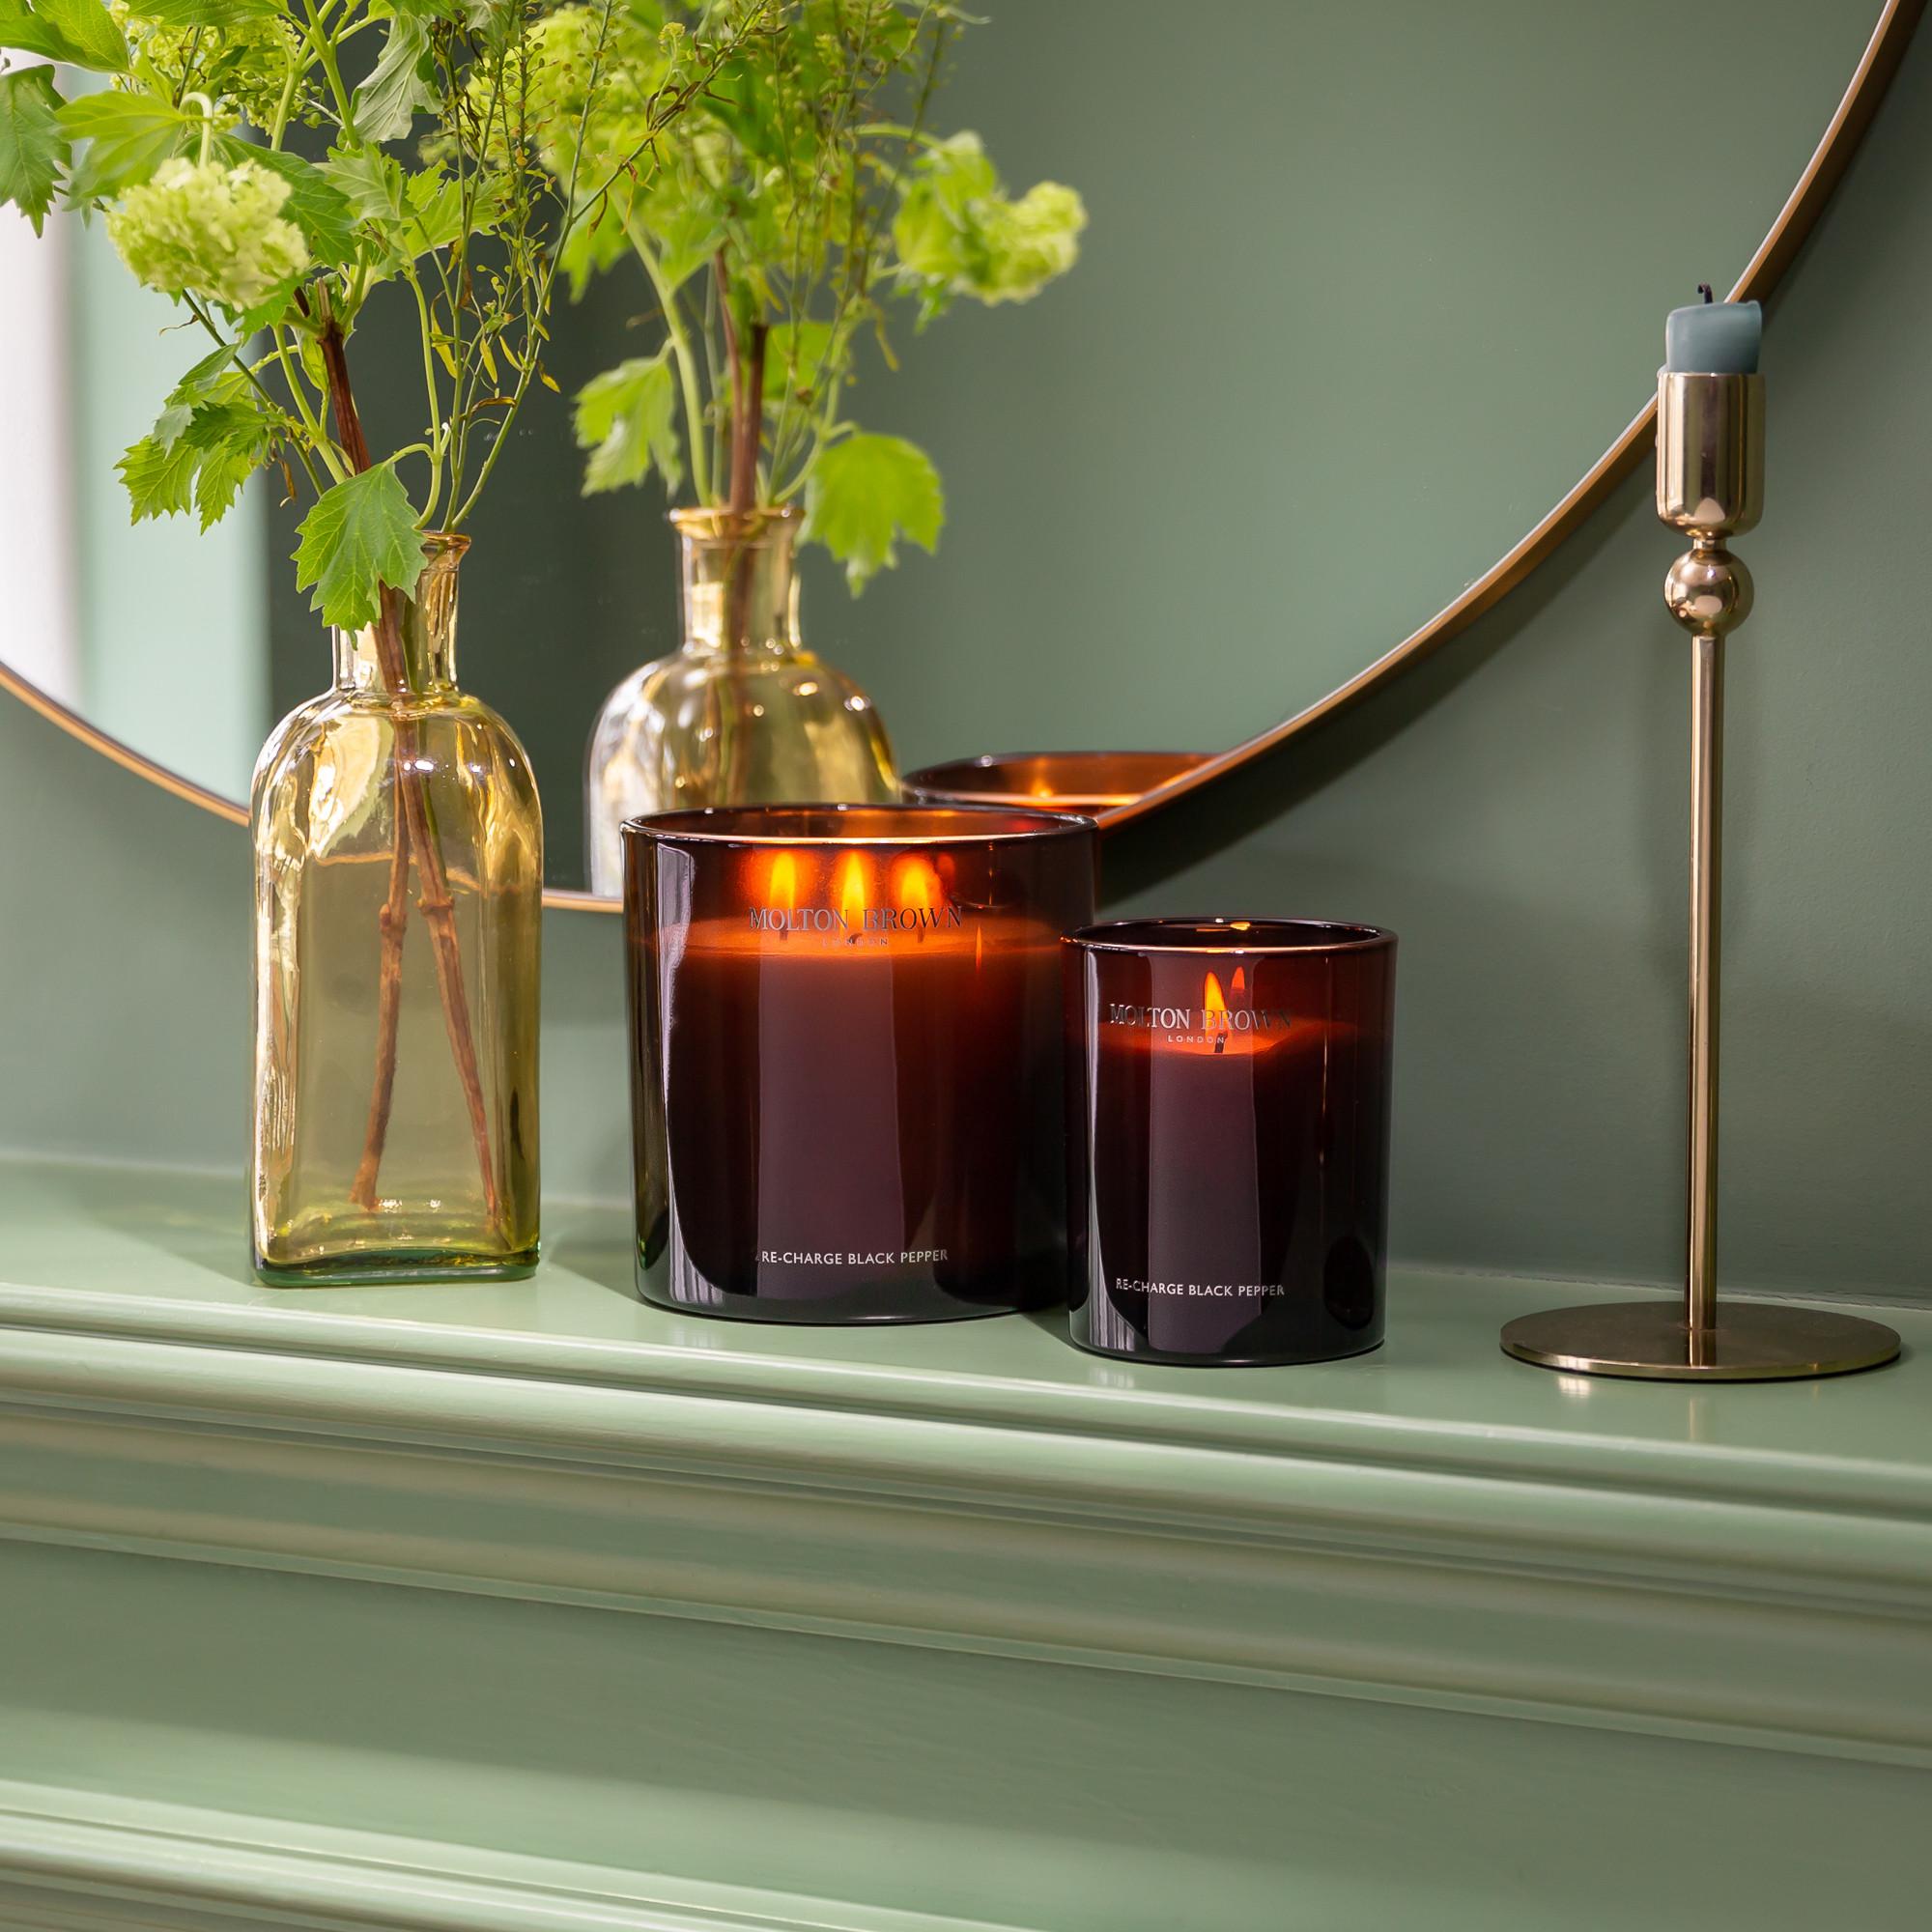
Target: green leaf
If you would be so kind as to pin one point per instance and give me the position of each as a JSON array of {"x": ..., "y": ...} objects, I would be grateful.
[
  {"x": 210, "y": 374},
  {"x": 371, "y": 182},
  {"x": 409, "y": 214},
  {"x": 315, "y": 204},
  {"x": 160, "y": 476},
  {"x": 33, "y": 150},
  {"x": 129, "y": 136},
  {"x": 212, "y": 437},
  {"x": 170, "y": 425},
  {"x": 232, "y": 442},
  {"x": 271, "y": 309},
  {"x": 80, "y": 32},
  {"x": 435, "y": 201},
  {"x": 361, "y": 535},
  {"x": 221, "y": 15},
  {"x": 386, "y": 104},
  {"x": 219, "y": 480},
  {"x": 596, "y": 242},
  {"x": 686, "y": 218},
  {"x": 863, "y": 494},
  {"x": 210, "y": 380},
  {"x": 794, "y": 354},
  {"x": 742, "y": 99},
  {"x": 627, "y": 418}
]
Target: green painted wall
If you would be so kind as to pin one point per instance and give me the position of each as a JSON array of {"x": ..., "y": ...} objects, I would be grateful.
[
  {"x": 1515, "y": 811},
  {"x": 1365, "y": 288}
]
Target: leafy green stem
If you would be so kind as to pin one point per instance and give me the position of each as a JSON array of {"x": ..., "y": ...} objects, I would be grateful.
[
  {"x": 325, "y": 54},
  {"x": 428, "y": 333},
  {"x": 681, "y": 355},
  {"x": 319, "y": 438}
]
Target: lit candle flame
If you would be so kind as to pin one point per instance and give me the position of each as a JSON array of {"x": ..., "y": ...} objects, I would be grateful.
[
  {"x": 1240, "y": 982},
  {"x": 916, "y": 886},
  {"x": 851, "y": 889},
  {"x": 1214, "y": 1011},
  {"x": 782, "y": 888}
]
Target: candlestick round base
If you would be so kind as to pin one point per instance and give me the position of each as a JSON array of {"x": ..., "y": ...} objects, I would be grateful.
[{"x": 1753, "y": 1342}]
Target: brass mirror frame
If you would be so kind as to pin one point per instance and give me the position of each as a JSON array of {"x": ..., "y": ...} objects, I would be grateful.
[{"x": 1849, "y": 123}]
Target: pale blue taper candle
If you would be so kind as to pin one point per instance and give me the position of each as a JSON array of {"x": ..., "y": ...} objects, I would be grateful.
[{"x": 1714, "y": 338}]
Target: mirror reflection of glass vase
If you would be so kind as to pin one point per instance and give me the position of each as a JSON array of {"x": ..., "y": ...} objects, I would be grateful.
[
  {"x": 742, "y": 713},
  {"x": 398, "y": 907}
]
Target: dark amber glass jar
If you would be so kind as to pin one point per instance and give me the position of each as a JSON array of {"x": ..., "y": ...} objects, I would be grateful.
[
  {"x": 850, "y": 1057},
  {"x": 1232, "y": 1145},
  {"x": 1082, "y": 782}
]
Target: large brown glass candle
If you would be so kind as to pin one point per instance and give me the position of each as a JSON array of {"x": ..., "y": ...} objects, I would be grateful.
[
  {"x": 850, "y": 1057},
  {"x": 1231, "y": 1139}
]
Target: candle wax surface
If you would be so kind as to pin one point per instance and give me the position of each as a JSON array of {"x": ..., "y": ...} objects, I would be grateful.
[{"x": 1713, "y": 339}]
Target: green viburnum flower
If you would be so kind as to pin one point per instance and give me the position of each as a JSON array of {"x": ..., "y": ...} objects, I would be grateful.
[
  {"x": 603, "y": 158},
  {"x": 247, "y": 63},
  {"x": 564, "y": 56},
  {"x": 200, "y": 229},
  {"x": 1031, "y": 240},
  {"x": 958, "y": 233}
]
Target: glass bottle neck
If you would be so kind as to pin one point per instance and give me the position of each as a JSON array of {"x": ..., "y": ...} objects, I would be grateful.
[
  {"x": 414, "y": 652},
  {"x": 737, "y": 586}
]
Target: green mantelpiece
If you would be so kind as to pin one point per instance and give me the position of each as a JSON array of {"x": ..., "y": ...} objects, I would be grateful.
[{"x": 532, "y": 1608}]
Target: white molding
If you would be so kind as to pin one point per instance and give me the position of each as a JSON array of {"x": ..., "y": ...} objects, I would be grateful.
[
  {"x": 1398, "y": 1578},
  {"x": 82, "y": 1861}
]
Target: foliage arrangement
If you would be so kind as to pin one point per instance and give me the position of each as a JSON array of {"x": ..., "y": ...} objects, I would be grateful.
[
  {"x": 804, "y": 200},
  {"x": 242, "y": 173},
  {"x": 453, "y": 174}
]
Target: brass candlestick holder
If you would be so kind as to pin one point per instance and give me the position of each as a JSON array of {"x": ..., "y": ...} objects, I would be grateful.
[{"x": 1710, "y": 484}]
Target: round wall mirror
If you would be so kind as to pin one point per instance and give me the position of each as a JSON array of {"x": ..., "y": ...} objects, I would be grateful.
[{"x": 1365, "y": 292}]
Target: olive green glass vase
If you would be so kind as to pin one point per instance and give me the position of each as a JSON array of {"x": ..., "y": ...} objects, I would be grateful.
[{"x": 398, "y": 924}]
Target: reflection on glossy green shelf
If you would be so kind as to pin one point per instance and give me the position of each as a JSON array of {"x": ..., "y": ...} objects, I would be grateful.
[{"x": 143, "y": 1252}]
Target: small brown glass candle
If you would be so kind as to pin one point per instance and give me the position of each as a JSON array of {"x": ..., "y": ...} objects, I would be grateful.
[
  {"x": 850, "y": 1058},
  {"x": 1082, "y": 782},
  {"x": 1232, "y": 1145}
]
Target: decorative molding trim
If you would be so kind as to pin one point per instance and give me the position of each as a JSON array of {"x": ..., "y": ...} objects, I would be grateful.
[
  {"x": 1681, "y": 1591},
  {"x": 81, "y": 1861}
]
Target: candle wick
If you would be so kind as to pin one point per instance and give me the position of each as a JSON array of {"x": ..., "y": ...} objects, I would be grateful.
[{"x": 1704, "y": 290}]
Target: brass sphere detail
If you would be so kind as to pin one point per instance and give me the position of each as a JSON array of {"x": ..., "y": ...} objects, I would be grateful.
[{"x": 1708, "y": 589}]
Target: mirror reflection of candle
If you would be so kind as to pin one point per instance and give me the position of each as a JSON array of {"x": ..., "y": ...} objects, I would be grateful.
[
  {"x": 850, "y": 1060},
  {"x": 1235, "y": 1127},
  {"x": 1076, "y": 781}
]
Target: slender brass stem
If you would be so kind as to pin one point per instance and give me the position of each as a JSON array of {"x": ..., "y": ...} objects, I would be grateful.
[{"x": 1707, "y": 831}]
